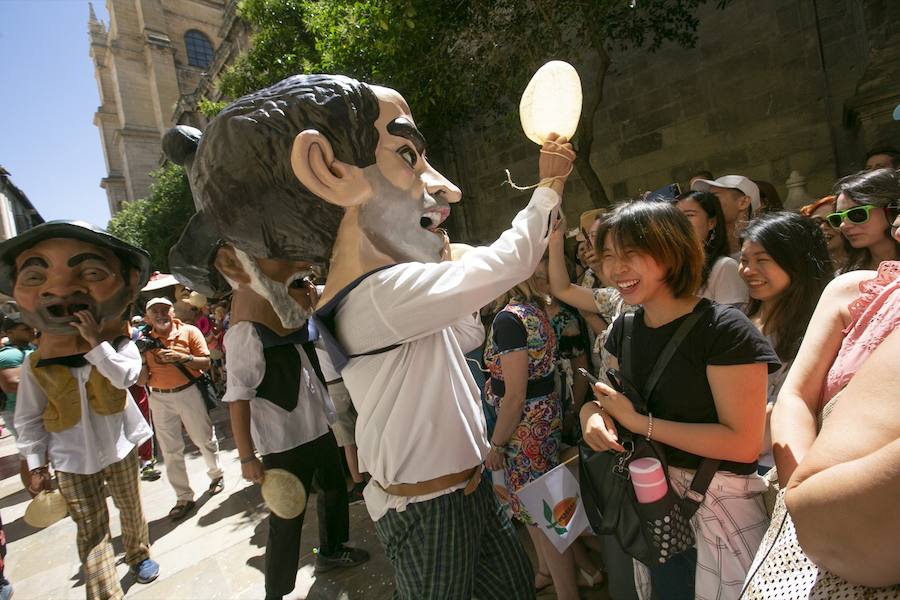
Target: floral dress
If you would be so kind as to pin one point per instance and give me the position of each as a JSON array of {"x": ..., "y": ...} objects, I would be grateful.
[{"x": 534, "y": 447}]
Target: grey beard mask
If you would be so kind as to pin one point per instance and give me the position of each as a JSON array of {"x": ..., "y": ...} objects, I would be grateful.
[
  {"x": 391, "y": 221},
  {"x": 289, "y": 312}
]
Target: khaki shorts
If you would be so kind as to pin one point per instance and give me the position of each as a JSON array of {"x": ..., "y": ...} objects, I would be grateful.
[{"x": 344, "y": 427}]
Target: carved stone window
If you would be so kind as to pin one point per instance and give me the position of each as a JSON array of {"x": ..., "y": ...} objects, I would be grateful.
[{"x": 200, "y": 51}]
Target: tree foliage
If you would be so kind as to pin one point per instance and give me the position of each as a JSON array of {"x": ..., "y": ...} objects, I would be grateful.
[
  {"x": 457, "y": 61},
  {"x": 154, "y": 223}
]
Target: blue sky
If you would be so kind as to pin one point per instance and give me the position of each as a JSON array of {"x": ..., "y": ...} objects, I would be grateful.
[{"x": 48, "y": 96}]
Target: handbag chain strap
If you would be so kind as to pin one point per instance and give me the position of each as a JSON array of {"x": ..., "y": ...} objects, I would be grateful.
[{"x": 694, "y": 496}]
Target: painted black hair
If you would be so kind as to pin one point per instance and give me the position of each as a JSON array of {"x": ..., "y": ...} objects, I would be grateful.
[
  {"x": 798, "y": 246},
  {"x": 241, "y": 174}
]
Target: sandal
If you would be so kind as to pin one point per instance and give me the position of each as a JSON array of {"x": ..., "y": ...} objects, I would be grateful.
[
  {"x": 548, "y": 581},
  {"x": 216, "y": 486},
  {"x": 181, "y": 509}
]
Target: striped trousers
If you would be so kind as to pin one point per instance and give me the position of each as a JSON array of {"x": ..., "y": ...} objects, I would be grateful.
[
  {"x": 456, "y": 547},
  {"x": 86, "y": 499}
]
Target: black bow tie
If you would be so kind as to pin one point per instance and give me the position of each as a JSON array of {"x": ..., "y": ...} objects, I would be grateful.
[
  {"x": 270, "y": 339},
  {"x": 75, "y": 361}
]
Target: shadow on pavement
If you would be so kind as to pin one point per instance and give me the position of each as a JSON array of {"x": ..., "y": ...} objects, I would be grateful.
[
  {"x": 246, "y": 500},
  {"x": 164, "y": 525}
]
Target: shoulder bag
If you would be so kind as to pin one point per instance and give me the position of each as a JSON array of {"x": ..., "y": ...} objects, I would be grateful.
[{"x": 655, "y": 532}]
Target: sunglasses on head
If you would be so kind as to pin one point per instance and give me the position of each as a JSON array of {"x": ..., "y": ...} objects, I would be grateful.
[{"x": 856, "y": 215}]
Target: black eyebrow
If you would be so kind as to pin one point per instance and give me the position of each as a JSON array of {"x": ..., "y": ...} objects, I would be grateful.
[
  {"x": 80, "y": 258},
  {"x": 34, "y": 261},
  {"x": 403, "y": 127}
]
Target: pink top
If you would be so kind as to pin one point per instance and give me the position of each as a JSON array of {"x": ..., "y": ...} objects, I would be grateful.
[{"x": 873, "y": 315}]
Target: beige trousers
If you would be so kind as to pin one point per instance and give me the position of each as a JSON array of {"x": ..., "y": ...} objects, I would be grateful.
[{"x": 169, "y": 411}]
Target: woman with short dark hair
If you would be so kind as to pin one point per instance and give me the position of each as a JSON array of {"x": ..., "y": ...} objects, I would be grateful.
[{"x": 709, "y": 402}]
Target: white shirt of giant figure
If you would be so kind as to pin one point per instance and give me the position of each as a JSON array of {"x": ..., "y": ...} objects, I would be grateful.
[
  {"x": 419, "y": 414},
  {"x": 96, "y": 441}
]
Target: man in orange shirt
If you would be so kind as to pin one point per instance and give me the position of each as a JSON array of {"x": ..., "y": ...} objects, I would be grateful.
[{"x": 175, "y": 399}]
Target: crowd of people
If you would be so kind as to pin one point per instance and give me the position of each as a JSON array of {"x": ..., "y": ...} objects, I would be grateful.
[
  {"x": 764, "y": 342},
  {"x": 761, "y": 280}
]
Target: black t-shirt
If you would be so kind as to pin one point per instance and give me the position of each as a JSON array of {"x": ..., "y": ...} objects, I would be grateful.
[{"x": 722, "y": 336}]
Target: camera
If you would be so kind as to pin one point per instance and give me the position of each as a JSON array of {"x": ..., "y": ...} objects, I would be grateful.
[{"x": 147, "y": 342}]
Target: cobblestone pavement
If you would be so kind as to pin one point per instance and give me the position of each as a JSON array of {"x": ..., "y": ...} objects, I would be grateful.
[{"x": 215, "y": 553}]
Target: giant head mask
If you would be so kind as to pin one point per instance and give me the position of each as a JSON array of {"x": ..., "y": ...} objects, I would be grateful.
[
  {"x": 62, "y": 267},
  {"x": 257, "y": 227},
  {"x": 278, "y": 172}
]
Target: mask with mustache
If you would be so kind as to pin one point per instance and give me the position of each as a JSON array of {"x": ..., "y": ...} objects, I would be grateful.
[
  {"x": 288, "y": 310},
  {"x": 54, "y": 315}
]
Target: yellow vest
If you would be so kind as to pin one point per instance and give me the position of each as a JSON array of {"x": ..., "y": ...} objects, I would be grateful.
[{"x": 63, "y": 400}]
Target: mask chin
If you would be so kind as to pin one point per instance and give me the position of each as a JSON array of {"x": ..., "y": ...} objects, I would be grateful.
[{"x": 286, "y": 308}]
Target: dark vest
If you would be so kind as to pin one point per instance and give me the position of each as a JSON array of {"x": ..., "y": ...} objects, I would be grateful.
[{"x": 281, "y": 383}]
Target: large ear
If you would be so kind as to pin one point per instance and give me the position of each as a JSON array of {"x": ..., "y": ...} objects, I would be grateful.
[
  {"x": 314, "y": 164},
  {"x": 227, "y": 263}
]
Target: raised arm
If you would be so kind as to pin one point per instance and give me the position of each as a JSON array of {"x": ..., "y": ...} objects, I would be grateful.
[
  {"x": 794, "y": 415},
  {"x": 574, "y": 295},
  {"x": 121, "y": 367},
  {"x": 843, "y": 495}
]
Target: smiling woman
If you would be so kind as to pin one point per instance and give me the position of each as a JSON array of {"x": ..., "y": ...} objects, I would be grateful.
[
  {"x": 876, "y": 197},
  {"x": 786, "y": 265},
  {"x": 708, "y": 404}
]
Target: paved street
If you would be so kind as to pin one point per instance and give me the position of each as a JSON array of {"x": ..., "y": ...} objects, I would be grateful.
[{"x": 216, "y": 553}]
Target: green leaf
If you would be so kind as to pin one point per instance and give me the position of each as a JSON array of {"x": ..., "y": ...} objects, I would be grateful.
[{"x": 548, "y": 513}]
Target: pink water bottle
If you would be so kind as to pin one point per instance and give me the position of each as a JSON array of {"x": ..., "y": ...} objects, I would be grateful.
[{"x": 648, "y": 479}]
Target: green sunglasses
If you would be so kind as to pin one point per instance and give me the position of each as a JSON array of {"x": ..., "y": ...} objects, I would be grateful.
[{"x": 856, "y": 215}]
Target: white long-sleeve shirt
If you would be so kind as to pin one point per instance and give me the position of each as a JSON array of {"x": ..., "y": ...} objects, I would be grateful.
[
  {"x": 272, "y": 428},
  {"x": 419, "y": 410},
  {"x": 96, "y": 441}
]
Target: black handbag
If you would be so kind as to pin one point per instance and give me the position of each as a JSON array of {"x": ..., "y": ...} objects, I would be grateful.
[
  {"x": 205, "y": 385},
  {"x": 655, "y": 532}
]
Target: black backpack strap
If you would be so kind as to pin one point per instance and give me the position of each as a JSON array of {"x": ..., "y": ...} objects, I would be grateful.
[
  {"x": 694, "y": 496},
  {"x": 669, "y": 351},
  {"x": 627, "y": 333}
]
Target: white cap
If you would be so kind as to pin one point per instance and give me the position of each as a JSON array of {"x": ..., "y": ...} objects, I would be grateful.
[
  {"x": 736, "y": 182},
  {"x": 155, "y": 301}
]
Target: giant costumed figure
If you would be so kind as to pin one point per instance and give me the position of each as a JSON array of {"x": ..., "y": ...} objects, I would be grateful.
[
  {"x": 260, "y": 235},
  {"x": 76, "y": 283},
  {"x": 393, "y": 318}
]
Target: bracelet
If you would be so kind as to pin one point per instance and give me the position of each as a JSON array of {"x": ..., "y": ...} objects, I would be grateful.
[
  {"x": 497, "y": 448},
  {"x": 649, "y": 426},
  {"x": 244, "y": 461}
]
